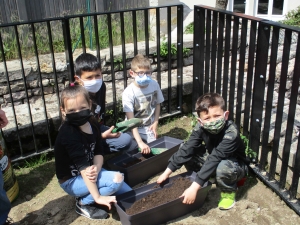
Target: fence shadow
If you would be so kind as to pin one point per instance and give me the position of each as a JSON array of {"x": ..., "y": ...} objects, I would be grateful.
[
  {"x": 176, "y": 132},
  {"x": 32, "y": 181}
]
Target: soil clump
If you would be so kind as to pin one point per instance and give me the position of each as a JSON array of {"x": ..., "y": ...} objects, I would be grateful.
[{"x": 160, "y": 197}]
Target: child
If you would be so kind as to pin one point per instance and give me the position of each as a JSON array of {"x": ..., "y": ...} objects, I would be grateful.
[
  {"x": 141, "y": 99},
  {"x": 88, "y": 74},
  {"x": 5, "y": 205},
  {"x": 78, "y": 157},
  {"x": 226, "y": 151}
]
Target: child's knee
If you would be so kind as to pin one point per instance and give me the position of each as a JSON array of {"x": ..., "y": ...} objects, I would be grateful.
[
  {"x": 119, "y": 177},
  {"x": 224, "y": 168}
]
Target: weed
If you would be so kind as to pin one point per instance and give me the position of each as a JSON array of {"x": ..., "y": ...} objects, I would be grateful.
[
  {"x": 164, "y": 51},
  {"x": 109, "y": 114},
  {"x": 189, "y": 29},
  {"x": 249, "y": 152},
  {"x": 35, "y": 161}
]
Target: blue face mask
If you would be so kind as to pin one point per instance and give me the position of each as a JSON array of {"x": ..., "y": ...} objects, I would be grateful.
[{"x": 143, "y": 81}]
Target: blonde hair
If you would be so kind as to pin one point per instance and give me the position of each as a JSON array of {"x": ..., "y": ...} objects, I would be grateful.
[{"x": 140, "y": 62}]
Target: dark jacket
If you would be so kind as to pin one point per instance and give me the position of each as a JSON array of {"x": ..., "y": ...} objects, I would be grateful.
[
  {"x": 99, "y": 99},
  {"x": 219, "y": 146}
]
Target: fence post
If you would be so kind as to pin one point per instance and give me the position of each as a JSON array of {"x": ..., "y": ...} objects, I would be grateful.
[
  {"x": 68, "y": 48},
  {"x": 259, "y": 84},
  {"x": 198, "y": 59}
]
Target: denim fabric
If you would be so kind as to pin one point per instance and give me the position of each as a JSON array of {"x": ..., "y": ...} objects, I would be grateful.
[
  {"x": 147, "y": 138},
  {"x": 228, "y": 173},
  {"x": 76, "y": 186},
  {"x": 123, "y": 143},
  {"x": 4, "y": 202}
]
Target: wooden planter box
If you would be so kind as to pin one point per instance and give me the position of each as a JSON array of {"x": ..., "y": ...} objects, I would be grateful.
[
  {"x": 162, "y": 213},
  {"x": 153, "y": 164}
]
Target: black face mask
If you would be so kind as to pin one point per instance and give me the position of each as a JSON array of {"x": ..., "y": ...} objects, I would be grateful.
[{"x": 79, "y": 118}]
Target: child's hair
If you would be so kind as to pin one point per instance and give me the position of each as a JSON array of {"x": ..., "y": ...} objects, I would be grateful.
[
  {"x": 208, "y": 100},
  {"x": 71, "y": 92},
  {"x": 140, "y": 62},
  {"x": 86, "y": 62}
]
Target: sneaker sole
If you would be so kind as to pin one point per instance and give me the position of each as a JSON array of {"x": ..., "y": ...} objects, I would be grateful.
[
  {"x": 228, "y": 207},
  {"x": 82, "y": 214}
]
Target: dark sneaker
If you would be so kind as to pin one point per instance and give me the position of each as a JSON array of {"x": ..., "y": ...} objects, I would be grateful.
[{"x": 91, "y": 212}]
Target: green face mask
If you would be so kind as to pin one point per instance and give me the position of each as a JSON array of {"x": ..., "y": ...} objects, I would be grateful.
[{"x": 215, "y": 127}]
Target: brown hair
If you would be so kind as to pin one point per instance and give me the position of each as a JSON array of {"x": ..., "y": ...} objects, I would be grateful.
[
  {"x": 71, "y": 92},
  {"x": 208, "y": 100},
  {"x": 140, "y": 62}
]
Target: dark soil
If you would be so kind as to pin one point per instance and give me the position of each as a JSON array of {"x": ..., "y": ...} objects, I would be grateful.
[
  {"x": 160, "y": 197},
  {"x": 135, "y": 161}
]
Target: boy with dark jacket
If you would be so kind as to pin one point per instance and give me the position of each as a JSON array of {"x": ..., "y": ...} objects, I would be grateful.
[
  {"x": 88, "y": 74},
  {"x": 226, "y": 151}
]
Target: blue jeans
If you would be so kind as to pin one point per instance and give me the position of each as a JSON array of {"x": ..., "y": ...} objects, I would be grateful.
[
  {"x": 5, "y": 205},
  {"x": 123, "y": 143},
  {"x": 76, "y": 186}
]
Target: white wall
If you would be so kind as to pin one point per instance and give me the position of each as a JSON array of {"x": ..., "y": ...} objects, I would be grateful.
[
  {"x": 291, "y": 4},
  {"x": 189, "y": 3}
]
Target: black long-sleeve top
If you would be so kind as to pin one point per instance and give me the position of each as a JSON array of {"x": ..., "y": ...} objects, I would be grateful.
[{"x": 220, "y": 146}]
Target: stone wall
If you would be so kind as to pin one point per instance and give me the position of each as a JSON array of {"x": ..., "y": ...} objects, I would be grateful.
[{"x": 42, "y": 87}]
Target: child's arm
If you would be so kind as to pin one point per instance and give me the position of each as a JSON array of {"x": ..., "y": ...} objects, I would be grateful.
[
  {"x": 154, "y": 126},
  {"x": 93, "y": 189},
  {"x": 93, "y": 171},
  {"x": 144, "y": 147}
]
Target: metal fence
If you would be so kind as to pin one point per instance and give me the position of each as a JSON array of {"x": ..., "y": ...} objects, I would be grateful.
[
  {"x": 255, "y": 65},
  {"x": 24, "y": 10},
  {"x": 32, "y": 129}
]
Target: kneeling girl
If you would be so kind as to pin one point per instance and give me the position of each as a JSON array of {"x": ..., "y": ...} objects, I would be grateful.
[{"x": 79, "y": 160}]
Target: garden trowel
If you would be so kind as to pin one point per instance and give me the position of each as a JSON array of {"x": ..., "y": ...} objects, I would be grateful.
[
  {"x": 156, "y": 151},
  {"x": 127, "y": 125}
]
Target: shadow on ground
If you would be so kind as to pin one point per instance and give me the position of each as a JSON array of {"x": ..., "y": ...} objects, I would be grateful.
[
  {"x": 32, "y": 181},
  {"x": 176, "y": 132},
  {"x": 58, "y": 211}
]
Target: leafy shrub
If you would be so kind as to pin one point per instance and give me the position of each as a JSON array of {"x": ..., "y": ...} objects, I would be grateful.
[
  {"x": 293, "y": 17},
  {"x": 189, "y": 29}
]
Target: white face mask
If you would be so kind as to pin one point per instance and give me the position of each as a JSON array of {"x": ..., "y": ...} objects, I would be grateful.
[{"x": 92, "y": 85}]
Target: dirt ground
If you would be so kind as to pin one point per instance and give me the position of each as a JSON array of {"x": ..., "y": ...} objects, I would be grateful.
[{"x": 42, "y": 201}]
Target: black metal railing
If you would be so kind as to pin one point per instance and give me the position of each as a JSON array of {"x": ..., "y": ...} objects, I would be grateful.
[
  {"x": 32, "y": 129},
  {"x": 248, "y": 61}
]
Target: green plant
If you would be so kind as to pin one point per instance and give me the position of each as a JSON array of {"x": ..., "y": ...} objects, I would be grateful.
[
  {"x": 164, "y": 51},
  {"x": 292, "y": 17},
  {"x": 189, "y": 29},
  {"x": 249, "y": 152},
  {"x": 119, "y": 61},
  {"x": 35, "y": 161},
  {"x": 10, "y": 42}
]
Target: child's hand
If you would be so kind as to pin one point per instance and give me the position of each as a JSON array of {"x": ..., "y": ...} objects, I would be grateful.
[
  {"x": 162, "y": 178},
  {"x": 106, "y": 200},
  {"x": 165, "y": 175},
  {"x": 145, "y": 149},
  {"x": 92, "y": 173},
  {"x": 108, "y": 134},
  {"x": 153, "y": 128},
  {"x": 189, "y": 195}
]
